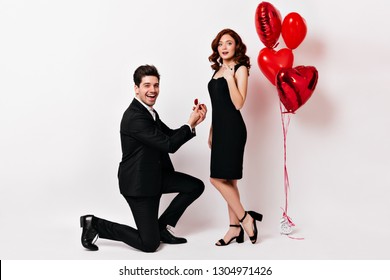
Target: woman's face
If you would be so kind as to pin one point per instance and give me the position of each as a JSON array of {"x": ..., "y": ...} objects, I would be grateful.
[{"x": 226, "y": 47}]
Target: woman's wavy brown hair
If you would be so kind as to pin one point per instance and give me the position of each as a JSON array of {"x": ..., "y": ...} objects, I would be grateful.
[{"x": 240, "y": 56}]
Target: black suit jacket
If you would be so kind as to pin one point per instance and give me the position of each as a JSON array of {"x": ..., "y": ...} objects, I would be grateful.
[{"x": 145, "y": 147}]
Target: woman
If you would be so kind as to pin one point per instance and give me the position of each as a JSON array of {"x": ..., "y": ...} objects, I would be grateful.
[{"x": 228, "y": 90}]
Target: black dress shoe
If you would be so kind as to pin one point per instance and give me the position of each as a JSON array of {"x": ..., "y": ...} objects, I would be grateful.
[
  {"x": 89, "y": 234},
  {"x": 167, "y": 237}
]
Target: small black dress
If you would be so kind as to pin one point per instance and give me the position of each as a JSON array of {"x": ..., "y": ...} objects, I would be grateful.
[{"x": 229, "y": 132}]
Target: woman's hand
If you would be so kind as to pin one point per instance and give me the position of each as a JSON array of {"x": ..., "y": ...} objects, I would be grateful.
[{"x": 227, "y": 73}]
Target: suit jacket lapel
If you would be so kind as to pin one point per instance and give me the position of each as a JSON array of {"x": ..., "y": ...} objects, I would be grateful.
[{"x": 142, "y": 108}]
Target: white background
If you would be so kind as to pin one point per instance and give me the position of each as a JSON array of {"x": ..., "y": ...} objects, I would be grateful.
[{"x": 66, "y": 78}]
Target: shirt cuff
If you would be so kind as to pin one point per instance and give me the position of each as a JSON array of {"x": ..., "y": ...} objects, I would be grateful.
[{"x": 192, "y": 129}]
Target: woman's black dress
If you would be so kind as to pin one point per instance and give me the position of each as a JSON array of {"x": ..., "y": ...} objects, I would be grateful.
[{"x": 229, "y": 132}]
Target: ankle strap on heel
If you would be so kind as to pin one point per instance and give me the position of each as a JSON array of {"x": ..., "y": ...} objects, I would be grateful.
[
  {"x": 234, "y": 225},
  {"x": 243, "y": 218}
]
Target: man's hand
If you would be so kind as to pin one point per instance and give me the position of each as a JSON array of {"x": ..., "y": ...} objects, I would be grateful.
[{"x": 198, "y": 114}]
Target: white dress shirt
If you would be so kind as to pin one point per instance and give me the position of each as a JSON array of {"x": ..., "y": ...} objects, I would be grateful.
[{"x": 150, "y": 109}]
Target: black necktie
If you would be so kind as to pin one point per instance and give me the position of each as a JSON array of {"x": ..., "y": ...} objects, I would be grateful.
[{"x": 157, "y": 119}]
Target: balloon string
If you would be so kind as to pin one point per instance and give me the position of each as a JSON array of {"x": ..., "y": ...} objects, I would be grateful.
[
  {"x": 285, "y": 124},
  {"x": 290, "y": 222},
  {"x": 296, "y": 238},
  {"x": 286, "y": 116}
]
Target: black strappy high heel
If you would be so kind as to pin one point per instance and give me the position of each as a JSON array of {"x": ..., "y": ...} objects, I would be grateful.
[
  {"x": 256, "y": 217},
  {"x": 239, "y": 238}
]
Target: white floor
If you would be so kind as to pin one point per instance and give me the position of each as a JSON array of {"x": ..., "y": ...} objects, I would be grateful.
[
  {"x": 360, "y": 237},
  {"x": 49, "y": 230}
]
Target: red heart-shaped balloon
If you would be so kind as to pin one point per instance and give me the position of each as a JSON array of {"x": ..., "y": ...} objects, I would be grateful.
[
  {"x": 296, "y": 85},
  {"x": 271, "y": 61},
  {"x": 268, "y": 24}
]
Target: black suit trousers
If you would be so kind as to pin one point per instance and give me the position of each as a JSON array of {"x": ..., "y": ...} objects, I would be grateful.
[{"x": 145, "y": 212}]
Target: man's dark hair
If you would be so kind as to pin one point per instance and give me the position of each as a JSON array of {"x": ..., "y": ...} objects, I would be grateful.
[{"x": 144, "y": 70}]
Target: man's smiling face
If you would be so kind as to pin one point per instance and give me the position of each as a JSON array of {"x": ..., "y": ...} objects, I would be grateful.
[{"x": 148, "y": 90}]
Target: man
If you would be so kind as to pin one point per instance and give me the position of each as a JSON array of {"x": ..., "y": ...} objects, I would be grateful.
[{"x": 146, "y": 172}]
